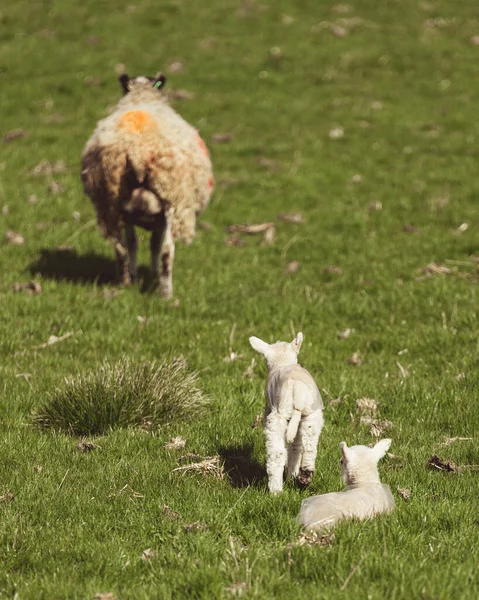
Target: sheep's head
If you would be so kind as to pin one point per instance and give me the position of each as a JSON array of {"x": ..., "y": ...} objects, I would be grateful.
[
  {"x": 130, "y": 83},
  {"x": 359, "y": 464},
  {"x": 279, "y": 354}
]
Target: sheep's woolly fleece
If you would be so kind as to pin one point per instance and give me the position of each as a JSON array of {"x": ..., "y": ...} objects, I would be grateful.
[{"x": 144, "y": 144}]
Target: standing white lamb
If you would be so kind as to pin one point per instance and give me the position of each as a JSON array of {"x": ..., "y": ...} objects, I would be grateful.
[
  {"x": 145, "y": 166},
  {"x": 364, "y": 496},
  {"x": 293, "y": 414}
]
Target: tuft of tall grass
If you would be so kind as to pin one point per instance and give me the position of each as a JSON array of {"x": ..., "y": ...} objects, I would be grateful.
[{"x": 123, "y": 394}]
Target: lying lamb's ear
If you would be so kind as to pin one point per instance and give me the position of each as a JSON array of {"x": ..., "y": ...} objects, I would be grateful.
[
  {"x": 259, "y": 345},
  {"x": 124, "y": 80},
  {"x": 382, "y": 447},
  {"x": 344, "y": 451},
  {"x": 296, "y": 343},
  {"x": 160, "y": 81}
]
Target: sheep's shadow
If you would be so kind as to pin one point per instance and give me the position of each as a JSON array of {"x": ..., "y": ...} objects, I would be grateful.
[
  {"x": 242, "y": 469},
  {"x": 67, "y": 265}
]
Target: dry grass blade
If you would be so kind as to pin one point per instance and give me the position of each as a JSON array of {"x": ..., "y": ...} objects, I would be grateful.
[
  {"x": 250, "y": 228},
  {"x": 355, "y": 359},
  {"x": 258, "y": 420},
  {"x": 292, "y": 217},
  {"x": 269, "y": 237},
  {"x": 221, "y": 138},
  {"x": 292, "y": 267},
  {"x": 333, "y": 270},
  {"x": 179, "y": 94},
  {"x": 435, "y": 269},
  {"x": 31, "y": 288},
  {"x": 268, "y": 163},
  {"x": 209, "y": 466},
  {"x": 237, "y": 588},
  {"x": 54, "y": 339},
  {"x": 449, "y": 441},
  {"x": 8, "y": 497},
  {"x": 14, "y": 238},
  {"x": 15, "y": 134}
]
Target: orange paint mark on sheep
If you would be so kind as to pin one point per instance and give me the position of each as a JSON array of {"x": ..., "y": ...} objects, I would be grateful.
[
  {"x": 136, "y": 121},
  {"x": 202, "y": 145},
  {"x": 211, "y": 182}
]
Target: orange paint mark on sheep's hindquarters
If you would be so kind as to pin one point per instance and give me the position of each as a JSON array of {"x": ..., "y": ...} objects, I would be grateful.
[
  {"x": 136, "y": 121},
  {"x": 211, "y": 183},
  {"x": 202, "y": 145}
]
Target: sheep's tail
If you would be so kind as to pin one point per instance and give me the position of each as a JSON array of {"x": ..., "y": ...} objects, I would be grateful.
[{"x": 293, "y": 426}]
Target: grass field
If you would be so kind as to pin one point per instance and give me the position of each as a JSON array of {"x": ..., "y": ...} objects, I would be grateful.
[{"x": 363, "y": 119}]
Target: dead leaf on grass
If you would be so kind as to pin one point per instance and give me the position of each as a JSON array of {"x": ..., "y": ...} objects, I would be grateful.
[
  {"x": 15, "y": 134},
  {"x": 269, "y": 237},
  {"x": 436, "y": 463},
  {"x": 355, "y": 359},
  {"x": 8, "y": 497},
  {"x": 333, "y": 270},
  {"x": 209, "y": 466},
  {"x": 177, "y": 66},
  {"x": 367, "y": 405},
  {"x": 376, "y": 427},
  {"x": 45, "y": 167},
  {"x": 375, "y": 206},
  {"x": 405, "y": 494},
  {"x": 105, "y": 596},
  {"x": 249, "y": 370},
  {"x": 86, "y": 446},
  {"x": 237, "y": 588},
  {"x": 53, "y": 339},
  {"x": 343, "y": 334},
  {"x": 170, "y": 513},
  {"x": 14, "y": 238},
  {"x": 207, "y": 43},
  {"x": 234, "y": 241},
  {"x": 410, "y": 229},
  {"x": 196, "y": 526},
  {"x": 221, "y": 138},
  {"x": 258, "y": 421},
  {"x": 292, "y": 267},
  {"x": 205, "y": 226},
  {"x": 356, "y": 179},
  {"x": 31, "y": 288},
  {"x": 475, "y": 40},
  {"x": 147, "y": 555},
  {"x": 291, "y": 217},
  {"x": 38, "y": 468},
  {"x": 313, "y": 538},
  {"x": 5, "y": 210},
  {"x": 268, "y": 163},
  {"x": 55, "y": 187},
  {"x": 179, "y": 94},
  {"x": 175, "y": 443}
]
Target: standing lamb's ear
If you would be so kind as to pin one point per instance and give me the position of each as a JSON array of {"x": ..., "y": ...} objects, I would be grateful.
[
  {"x": 296, "y": 343},
  {"x": 381, "y": 448},
  {"x": 124, "y": 80},
  {"x": 259, "y": 345},
  {"x": 160, "y": 81}
]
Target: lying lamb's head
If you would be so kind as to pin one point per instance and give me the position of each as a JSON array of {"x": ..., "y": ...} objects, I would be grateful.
[
  {"x": 130, "y": 83},
  {"x": 279, "y": 354},
  {"x": 359, "y": 464}
]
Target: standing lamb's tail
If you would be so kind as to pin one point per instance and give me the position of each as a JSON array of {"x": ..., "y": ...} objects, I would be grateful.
[{"x": 293, "y": 426}]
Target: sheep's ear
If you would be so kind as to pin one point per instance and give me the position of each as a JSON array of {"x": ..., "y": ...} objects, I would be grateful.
[
  {"x": 344, "y": 451},
  {"x": 381, "y": 448},
  {"x": 160, "y": 81},
  {"x": 259, "y": 345},
  {"x": 296, "y": 343},
  {"x": 124, "y": 80}
]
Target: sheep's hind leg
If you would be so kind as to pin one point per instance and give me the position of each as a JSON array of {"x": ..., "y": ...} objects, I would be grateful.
[
  {"x": 132, "y": 245},
  {"x": 122, "y": 262},
  {"x": 310, "y": 428},
  {"x": 294, "y": 456},
  {"x": 167, "y": 257}
]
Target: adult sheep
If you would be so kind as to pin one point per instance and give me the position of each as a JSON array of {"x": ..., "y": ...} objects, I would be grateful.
[{"x": 146, "y": 166}]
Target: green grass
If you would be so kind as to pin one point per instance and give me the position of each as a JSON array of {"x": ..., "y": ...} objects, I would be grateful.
[{"x": 79, "y": 525}]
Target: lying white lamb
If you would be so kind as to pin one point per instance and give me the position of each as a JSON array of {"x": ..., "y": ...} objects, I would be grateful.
[
  {"x": 364, "y": 497},
  {"x": 293, "y": 414}
]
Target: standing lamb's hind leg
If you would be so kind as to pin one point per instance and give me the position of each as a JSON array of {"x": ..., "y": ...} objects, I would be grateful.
[
  {"x": 294, "y": 455},
  {"x": 309, "y": 430},
  {"x": 167, "y": 258},
  {"x": 132, "y": 245},
  {"x": 122, "y": 261},
  {"x": 276, "y": 455}
]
